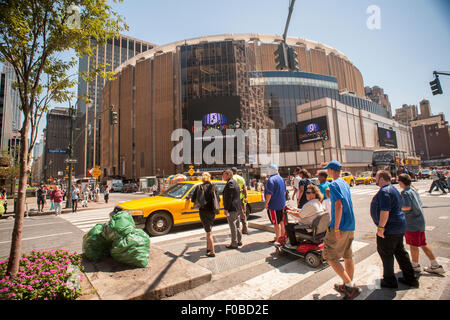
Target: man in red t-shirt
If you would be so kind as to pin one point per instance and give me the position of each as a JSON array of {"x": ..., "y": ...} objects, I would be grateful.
[{"x": 57, "y": 198}]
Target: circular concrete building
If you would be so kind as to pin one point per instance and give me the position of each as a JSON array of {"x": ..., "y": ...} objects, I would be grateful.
[{"x": 232, "y": 75}]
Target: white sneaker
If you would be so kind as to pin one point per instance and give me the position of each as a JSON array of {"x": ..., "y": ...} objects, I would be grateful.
[
  {"x": 417, "y": 269},
  {"x": 438, "y": 270}
]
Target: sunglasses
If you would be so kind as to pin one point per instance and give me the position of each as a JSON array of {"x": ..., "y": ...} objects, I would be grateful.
[{"x": 310, "y": 192}]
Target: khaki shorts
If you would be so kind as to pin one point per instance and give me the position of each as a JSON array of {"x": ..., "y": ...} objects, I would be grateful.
[{"x": 334, "y": 250}]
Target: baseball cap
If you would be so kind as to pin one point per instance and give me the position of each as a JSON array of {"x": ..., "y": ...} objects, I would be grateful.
[
  {"x": 273, "y": 169},
  {"x": 334, "y": 165}
]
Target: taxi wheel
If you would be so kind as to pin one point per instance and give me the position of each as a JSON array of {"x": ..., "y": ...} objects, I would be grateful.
[
  {"x": 352, "y": 183},
  {"x": 159, "y": 223}
]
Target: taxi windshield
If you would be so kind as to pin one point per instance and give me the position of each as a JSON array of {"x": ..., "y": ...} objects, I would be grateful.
[{"x": 177, "y": 191}]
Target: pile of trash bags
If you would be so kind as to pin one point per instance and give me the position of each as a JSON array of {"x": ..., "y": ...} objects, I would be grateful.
[{"x": 119, "y": 238}]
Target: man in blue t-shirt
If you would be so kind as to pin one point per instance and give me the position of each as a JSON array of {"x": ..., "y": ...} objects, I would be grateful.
[
  {"x": 324, "y": 184},
  {"x": 275, "y": 194},
  {"x": 340, "y": 234},
  {"x": 386, "y": 212}
]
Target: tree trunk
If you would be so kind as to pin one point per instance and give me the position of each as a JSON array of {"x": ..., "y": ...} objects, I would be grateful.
[{"x": 16, "y": 242}]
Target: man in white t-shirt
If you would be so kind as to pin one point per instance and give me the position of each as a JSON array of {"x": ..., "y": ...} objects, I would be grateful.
[{"x": 297, "y": 179}]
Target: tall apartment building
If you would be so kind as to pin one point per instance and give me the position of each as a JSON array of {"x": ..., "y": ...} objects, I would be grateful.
[
  {"x": 57, "y": 135},
  {"x": 406, "y": 114},
  {"x": 432, "y": 137},
  {"x": 113, "y": 53},
  {"x": 377, "y": 95},
  {"x": 425, "y": 109},
  {"x": 10, "y": 114}
]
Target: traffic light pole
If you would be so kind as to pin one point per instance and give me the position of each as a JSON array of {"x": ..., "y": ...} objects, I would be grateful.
[{"x": 291, "y": 9}]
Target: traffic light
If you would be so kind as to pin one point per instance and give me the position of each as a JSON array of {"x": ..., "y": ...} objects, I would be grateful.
[
  {"x": 292, "y": 60},
  {"x": 436, "y": 86},
  {"x": 114, "y": 117},
  {"x": 280, "y": 56}
]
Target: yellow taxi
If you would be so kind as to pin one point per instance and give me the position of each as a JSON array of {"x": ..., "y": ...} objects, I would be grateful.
[
  {"x": 364, "y": 178},
  {"x": 347, "y": 176},
  {"x": 173, "y": 207}
]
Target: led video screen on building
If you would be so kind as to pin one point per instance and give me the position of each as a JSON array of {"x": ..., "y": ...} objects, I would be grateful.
[
  {"x": 219, "y": 113},
  {"x": 387, "y": 138},
  {"x": 312, "y": 130}
]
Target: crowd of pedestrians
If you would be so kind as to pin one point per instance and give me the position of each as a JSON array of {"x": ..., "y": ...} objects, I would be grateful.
[{"x": 396, "y": 216}]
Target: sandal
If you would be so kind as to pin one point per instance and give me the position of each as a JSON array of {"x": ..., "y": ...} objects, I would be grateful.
[{"x": 211, "y": 254}]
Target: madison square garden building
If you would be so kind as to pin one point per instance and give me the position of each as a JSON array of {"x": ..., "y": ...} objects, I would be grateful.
[{"x": 230, "y": 81}]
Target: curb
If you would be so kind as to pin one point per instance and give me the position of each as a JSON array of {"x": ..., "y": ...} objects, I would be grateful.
[{"x": 49, "y": 213}]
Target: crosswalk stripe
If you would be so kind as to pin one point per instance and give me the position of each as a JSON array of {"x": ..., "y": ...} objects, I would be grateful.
[
  {"x": 272, "y": 282},
  {"x": 431, "y": 287},
  {"x": 367, "y": 275}
]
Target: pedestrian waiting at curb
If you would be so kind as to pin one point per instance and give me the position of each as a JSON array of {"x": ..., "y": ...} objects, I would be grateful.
[
  {"x": 40, "y": 197},
  {"x": 341, "y": 232},
  {"x": 57, "y": 198},
  {"x": 232, "y": 206},
  {"x": 415, "y": 226},
  {"x": 386, "y": 212},
  {"x": 106, "y": 194},
  {"x": 207, "y": 194},
  {"x": 75, "y": 196},
  {"x": 275, "y": 195}
]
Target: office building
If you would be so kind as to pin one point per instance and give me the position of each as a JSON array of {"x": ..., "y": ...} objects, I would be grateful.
[
  {"x": 113, "y": 53},
  {"x": 233, "y": 80}
]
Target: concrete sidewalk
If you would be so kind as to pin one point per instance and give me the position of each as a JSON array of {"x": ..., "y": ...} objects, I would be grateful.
[
  {"x": 174, "y": 267},
  {"x": 31, "y": 208}
]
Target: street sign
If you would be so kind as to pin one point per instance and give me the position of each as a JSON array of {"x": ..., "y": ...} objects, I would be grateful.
[
  {"x": 71, "y": 161},
  {"x": 191, "y": 170},
  {"x": 57, "y": 151},
  {"x": 96, "y": 173}
]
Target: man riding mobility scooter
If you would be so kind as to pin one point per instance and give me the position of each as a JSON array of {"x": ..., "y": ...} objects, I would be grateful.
[{"x": 309, "y": 239}]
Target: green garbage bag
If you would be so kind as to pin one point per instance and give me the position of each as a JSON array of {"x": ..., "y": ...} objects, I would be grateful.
[
  {"x": 120, "y": 225},
  {"x": 2, "y": 207},
  {"x": 132, "y": 249},
  {"x": 95, "y": 246}
]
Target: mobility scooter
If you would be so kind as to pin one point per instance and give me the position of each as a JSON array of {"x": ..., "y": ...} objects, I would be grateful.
[{"x": 310, "y": 240}]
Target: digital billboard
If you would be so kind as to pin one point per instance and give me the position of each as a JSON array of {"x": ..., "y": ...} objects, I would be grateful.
[
  {"x": 387, "y": 138},
  {"x": 220, "y": 113},
  {"x": 312, "y": 130}
]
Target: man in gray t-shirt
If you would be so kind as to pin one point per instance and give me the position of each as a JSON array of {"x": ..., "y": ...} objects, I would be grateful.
[{"x": 415, "y": 220}]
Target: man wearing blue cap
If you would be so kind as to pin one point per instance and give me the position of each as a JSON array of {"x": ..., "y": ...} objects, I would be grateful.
[
  {"x": 275, "y": 193},
  {"x": 340, "y": 234}
]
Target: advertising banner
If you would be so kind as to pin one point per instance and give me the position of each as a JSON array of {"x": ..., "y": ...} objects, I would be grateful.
[
  {"x": 387, "y": 138},
  {"x": 312, "y": 130}
]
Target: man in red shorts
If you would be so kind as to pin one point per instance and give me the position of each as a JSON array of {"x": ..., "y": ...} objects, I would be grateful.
[{"x": 415, "y": 226}]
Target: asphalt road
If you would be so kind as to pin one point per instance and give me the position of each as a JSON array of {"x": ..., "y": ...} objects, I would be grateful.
[{"x": 66, "y": 231}]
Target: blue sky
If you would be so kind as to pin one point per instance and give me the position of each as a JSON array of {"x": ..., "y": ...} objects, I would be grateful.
[
  {"x": 414, "y": 39},
  {"x": 400, "y": 57}
]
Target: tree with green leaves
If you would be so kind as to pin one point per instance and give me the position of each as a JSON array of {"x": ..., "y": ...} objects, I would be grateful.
[{"x": 34, "y": 35}]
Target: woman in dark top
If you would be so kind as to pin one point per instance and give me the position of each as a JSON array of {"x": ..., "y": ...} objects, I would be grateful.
[{"x": 207, "y": 209}]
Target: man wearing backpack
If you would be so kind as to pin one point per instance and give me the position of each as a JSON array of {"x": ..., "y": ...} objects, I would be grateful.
[
  {"x": 303, "y": 184},
  {"x": 206, "y": 197}
]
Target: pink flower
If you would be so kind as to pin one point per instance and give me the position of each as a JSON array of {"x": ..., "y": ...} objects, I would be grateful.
[{"x": 11, "y": 295}]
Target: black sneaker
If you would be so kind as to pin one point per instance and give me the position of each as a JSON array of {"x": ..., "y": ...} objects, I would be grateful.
[
  {"x": 412, "y": 283},
  {"x": 351, "y": 292},
  {"x": 390, "y": 285},
  {"x": 239, "y": 244}
]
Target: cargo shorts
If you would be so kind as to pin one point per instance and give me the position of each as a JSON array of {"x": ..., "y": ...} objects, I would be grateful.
[{"x": 334, "y": 250}]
